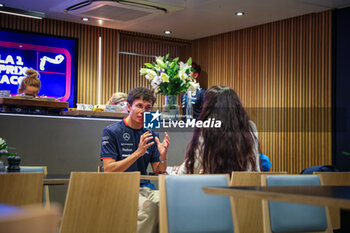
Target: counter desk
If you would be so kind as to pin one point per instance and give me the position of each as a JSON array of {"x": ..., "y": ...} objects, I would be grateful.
[{"x": 69, "y": 143}]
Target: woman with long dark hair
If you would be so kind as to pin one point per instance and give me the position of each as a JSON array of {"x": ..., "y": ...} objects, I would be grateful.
[{"x": 232, "y": 147}]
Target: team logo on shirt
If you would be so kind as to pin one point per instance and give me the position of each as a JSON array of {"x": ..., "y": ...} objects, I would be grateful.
[
  {"x": 126, "y": 136},
  {"x": 151, "y": 120}
]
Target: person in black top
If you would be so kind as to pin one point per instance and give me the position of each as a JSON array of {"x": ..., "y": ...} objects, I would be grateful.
[{"x": 196, "y": 99}]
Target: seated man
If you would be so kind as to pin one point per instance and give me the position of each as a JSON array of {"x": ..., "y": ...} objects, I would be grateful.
[
  {"x": 127, "y": 146},
  {"x": 30, "y": 85}
]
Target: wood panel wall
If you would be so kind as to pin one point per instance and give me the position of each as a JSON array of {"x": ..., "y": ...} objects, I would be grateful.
[
  {"x": 282, "y": 73},
  {"x": 137, "y": 49},
  {"x": 88, "y": 37},
  {"x": 88, "y": 40}
]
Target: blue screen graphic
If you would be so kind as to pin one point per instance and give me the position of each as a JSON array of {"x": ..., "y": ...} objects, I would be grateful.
[{"x": 53, "y": 57}]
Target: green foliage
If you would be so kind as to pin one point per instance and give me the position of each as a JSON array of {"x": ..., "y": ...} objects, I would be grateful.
[
  {"x": 169, "y": 76},
  {"x": 3, "y": 148}
]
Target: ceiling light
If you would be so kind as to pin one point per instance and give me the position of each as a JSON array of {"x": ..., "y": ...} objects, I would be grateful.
[
  {"x": 100, "y": 21},
  {"x": 1, "y": 5},
  {"x": 239, "y": 13},
  {"x": 85, "y": 19},
  {"x": 167, "y": 32},
  {"x": 24, "y": 13}
]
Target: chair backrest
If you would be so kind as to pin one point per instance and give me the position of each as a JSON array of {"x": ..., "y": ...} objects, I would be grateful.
[
  {"x": 330, "y": 179},
  {"x": 21, "y": 188},
  {"x": 101, "y": 202},
  {"x": 292, "y": 217},
  {"x": 249, "y": 211},
  {"x": 184, "y": 207},
  {"x": 33, "y": 219}
]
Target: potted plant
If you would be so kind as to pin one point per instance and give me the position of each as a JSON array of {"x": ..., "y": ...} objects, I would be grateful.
[
  {"x": 170, "y": 77},
  {"x": 13, "y": 159}
]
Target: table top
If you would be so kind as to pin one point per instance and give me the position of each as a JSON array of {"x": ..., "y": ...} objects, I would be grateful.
[
  {"x": 94, "y": 113},
  {"x": 38, "y": 102},
  {"x": 56, "y": 179},
  {"x": 337, "y": 196}
]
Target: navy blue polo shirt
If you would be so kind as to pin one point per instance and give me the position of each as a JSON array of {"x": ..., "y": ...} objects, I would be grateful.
[{"x": 119, "y": 141}]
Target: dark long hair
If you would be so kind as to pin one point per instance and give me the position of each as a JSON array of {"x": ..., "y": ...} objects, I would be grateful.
[{"x": 226, "y": 149}]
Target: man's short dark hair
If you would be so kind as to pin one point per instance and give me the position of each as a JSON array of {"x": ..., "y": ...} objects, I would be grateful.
[
  {"x": 196, "y": 68},
  {"x": 141, "y": 93}
]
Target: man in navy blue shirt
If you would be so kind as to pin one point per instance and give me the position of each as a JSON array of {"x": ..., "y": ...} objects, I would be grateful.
[{"x": 127, "y": 146}]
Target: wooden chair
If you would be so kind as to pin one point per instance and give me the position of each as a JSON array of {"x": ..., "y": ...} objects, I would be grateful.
[
  {"x": 331, "y": 179},
  {"x": 21, "y": 188},
  {"x": 249, "y": 211},
  {"x": 184, "y": 207},
  {"x": 293, "y": 217},
  {"x": 43, "y": 169},
  {"x": 29, "y": 219},
  {"x": 30, "y": 169},
  {"x": 101, "y": 202}
]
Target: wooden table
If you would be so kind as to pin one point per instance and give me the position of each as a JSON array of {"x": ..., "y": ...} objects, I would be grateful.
[
  {"x": 56, "y": 179},
  {"x": 62, "y": 179},
  {"x": 94, "y": 113},
  {"x": 31, "y": 102},
  {"x": 332, "y": 196},
  {"x": 38, "y": 102}
]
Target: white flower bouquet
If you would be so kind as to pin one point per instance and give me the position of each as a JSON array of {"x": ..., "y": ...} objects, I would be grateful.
[{"x": 170, "y": 77}]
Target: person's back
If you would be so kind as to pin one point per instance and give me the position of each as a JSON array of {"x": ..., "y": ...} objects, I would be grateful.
[{"x": 232, "y": 147}]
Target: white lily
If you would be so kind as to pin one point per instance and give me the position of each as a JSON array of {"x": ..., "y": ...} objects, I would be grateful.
[
  {"x": 160, "y": 62},
  {"x": 182, "y": 75},
  {"x": 184, "y": 67},
  {"x": 150, "y": 75},
  {"x": 164, "y": 77},
  {"x": 156, "y": 82},
  {"x": 193, "y": 87},
  {"x": 143, "y": 71}
]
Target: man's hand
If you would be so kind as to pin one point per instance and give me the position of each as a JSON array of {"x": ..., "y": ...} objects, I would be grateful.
[
  {"x": 163, "y": 147},
  {"x": 143, "y": 145}
]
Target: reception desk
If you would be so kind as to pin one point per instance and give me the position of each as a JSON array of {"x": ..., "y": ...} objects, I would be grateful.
[{"x": 68, "y": 143}]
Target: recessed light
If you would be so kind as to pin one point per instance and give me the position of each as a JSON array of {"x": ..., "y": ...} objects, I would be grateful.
[
  {"x": 167, "y": 32},
  {"x": 100, "y": 21},
  {"x": 239, "y": 13},
  {"x": 85, "y": 19}
]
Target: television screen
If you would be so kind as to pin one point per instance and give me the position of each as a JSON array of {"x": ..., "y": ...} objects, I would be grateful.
[{"x": 53, "y": 57}]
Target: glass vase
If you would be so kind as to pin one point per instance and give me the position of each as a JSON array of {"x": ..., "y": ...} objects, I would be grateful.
[{"x": 171, "y": 110}]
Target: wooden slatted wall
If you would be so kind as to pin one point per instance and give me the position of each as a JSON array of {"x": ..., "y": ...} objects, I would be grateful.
[
  {"x": 282, "y": 73},
  {"x": 87, "y": 52},
  {"x": 142, "y": 49}
]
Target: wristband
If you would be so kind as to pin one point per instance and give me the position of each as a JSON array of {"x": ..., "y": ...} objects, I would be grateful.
[{"x": 162, "y": 161}]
